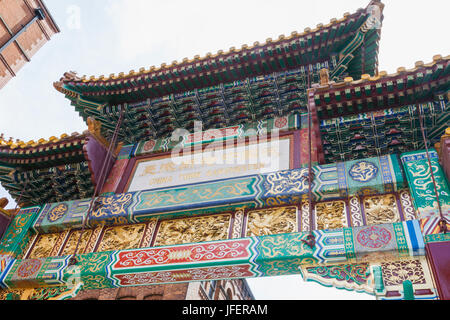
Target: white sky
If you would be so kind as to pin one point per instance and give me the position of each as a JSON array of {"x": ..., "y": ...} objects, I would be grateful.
[{"x": 112, "y": 36}]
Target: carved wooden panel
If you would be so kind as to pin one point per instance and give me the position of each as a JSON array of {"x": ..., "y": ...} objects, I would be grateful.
[
  {"x": 381, "y": 209},
  {"x": 71, "y": 243},
  {"x": 272, "y": 221},
  {"x": 43, "y": 246},
  {"x": 330, "y": 215},
  {"x": 189, "y": 230},
  {"x": 122, "y": 237}
]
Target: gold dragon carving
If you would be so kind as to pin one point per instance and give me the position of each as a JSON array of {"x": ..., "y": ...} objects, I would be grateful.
[
  {"x": 122, "y": 237},
  {"x": 190, "y": 230},
  {"x": 330, "y": 215},
  {"x": 272, "y": 221},
  {"x": 43, "y": 246},
  {"x": 71, "y": 244},
  {"x": 381, "y": 209}
]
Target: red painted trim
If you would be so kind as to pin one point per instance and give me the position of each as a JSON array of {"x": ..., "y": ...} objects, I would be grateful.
[{"x": 126, "y": 175}]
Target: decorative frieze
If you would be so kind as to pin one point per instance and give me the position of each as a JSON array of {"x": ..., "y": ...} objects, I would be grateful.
[
  {"x": 381, "y": 209},
  {"x": 330, "y": 215},
  {"x": 191, "y": 230},
  {"x": 221, "y": 259},
  {"x": 374, "y": 176},
  {"x": 43, "y": 246},
  {"x": 74, "y": 239}
]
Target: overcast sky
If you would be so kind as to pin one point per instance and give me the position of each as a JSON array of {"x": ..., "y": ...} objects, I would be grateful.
[{"x": 112, "y": 36}]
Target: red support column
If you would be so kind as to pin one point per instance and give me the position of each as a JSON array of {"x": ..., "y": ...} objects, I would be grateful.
[{"x": 439, "y": 258}]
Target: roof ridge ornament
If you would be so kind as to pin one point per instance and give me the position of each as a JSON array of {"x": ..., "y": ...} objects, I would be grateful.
[
  {"x": 374, "y": 9},
  {"x": 324, "y": 77}
]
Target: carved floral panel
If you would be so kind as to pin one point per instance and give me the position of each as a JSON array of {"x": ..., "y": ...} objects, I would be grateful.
[
  {"x": 394, "y": 273},
  {"x": 190, "y": 230},
  {"x": 272, "y": 221}
]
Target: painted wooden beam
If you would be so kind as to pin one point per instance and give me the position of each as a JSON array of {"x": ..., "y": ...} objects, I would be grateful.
[{"x": 237, "y": 258}]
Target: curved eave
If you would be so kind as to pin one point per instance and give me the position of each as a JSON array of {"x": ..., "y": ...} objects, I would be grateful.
[
  {"x": 51, "y": 184},
  {"x": 44, "y": 153},
  {"x": 371, "y": 93},
  {"x": 366, "y": 57}
]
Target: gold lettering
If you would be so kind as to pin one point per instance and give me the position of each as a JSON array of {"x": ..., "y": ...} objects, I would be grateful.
[
  {"x": 149, "y": 170},
  {"x": 167, "y": 167},
  {"x": 190, "y": 176}
]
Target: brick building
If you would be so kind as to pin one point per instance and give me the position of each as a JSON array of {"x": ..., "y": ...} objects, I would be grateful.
[{"x": 25, "y": 26}]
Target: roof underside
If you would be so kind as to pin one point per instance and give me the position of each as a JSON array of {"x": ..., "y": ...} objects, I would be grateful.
[
  {"x": 238, "y": 86},
  {"x": 391, "y": 131},
  {"x": 246, "y": 101}
]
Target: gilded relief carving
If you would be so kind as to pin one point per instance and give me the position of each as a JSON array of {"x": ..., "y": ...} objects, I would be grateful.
[
  {"x": 122, "y": 237},
  {"x": 381, "y": 209},
  {"x": 71, "y": 244},
  {"x": 330, "y": 215},
  {"x": 189, "y": 230},
  {"x": 43, "y": 246},
  {"x": 17, "y": 292},
  {"x": 27, "y": 247},
  {"x": 272, "y": 221}
]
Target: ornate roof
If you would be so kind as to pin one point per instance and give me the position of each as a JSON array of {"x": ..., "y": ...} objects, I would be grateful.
[
  {"x": 419, "y": 84},
  {"x": 42, "y": 152},
  {"x": 350, "y": 40},
  {"x": 380, "y": 115},
  {"x": 54, "y": 169},
  {"x": 234, "y": 103}
]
